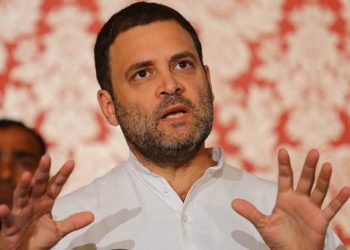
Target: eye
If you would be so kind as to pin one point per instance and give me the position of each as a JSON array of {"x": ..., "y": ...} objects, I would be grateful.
[
  {"x": 25, "y": 163},
  {"x": 24, "y": 160},
  {"x": 183, "y": 65},
  {"x": 141, "y": 75}
]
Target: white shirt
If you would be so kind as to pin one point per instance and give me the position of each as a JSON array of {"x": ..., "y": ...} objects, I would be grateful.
[{"x": 136, "y": 209}]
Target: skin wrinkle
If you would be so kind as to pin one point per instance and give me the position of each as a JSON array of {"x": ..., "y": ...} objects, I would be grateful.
[{"x": 293, "y": 219}]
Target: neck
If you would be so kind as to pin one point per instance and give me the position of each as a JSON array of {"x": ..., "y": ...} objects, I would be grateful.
[{"x": 181, "y": 177}]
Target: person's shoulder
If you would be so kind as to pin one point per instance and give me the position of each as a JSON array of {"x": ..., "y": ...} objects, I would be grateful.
[
  {"x": 91, "y": 195},
  {"x": 244, "y": 177},
  {"x": 110, "y": 178},
  {"x": 239, "y": 177},
  {"x": 245, "y": 185}
]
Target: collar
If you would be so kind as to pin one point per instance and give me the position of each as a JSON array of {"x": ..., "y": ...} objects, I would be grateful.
[{"x": 216, "y": 155}]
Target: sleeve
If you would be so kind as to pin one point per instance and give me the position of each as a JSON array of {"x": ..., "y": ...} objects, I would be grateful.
[{"x": 332, "y": 241}]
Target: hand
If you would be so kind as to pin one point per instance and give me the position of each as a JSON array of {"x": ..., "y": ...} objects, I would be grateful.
[
  {"x": 297, "y": 220},
  {"x": 29, "y": 225}
]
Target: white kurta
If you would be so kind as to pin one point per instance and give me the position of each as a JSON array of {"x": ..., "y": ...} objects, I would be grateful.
[{"x": 136, "y": 209}]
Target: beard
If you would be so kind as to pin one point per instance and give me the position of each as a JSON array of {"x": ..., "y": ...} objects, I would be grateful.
[{"x": 142, "y": 131}]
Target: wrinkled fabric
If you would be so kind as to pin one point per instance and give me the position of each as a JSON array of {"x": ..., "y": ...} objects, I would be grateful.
[{"x": 136, "y": 209}]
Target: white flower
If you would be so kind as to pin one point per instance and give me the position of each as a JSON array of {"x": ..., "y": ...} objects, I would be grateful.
[
  {"x": 227, "y": 100},
  {"x": 20, "y": 104},
  {"x": 311, "y": 76},
  {"x": 255, "y": 125},
  {"x": 311, "y": 14},
  {"x": 314, "y": 126},
  {"x": 75, "y": 46},
  {"x": 67, "y": 18},
  {"x": 27, "y": 51},
  {"x": 249, "y": 19},
  {"x": 18, "y": 18},
  {"x": 70, "y": 125},
  {"x": 225, "y": 60},
  {"x": 96, "y": 158},
  {"x": 312, "y": 47},
  {"x": 65, "y": 64}
]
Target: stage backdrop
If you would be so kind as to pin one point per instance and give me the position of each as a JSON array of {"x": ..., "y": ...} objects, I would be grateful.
[{"x": 280, "y": 72}]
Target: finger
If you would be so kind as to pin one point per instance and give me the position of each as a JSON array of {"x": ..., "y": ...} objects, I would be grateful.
[
  {"x": 57, "y": 182},
  {"x": 6, "y": 216},
  {"x": 41, "y": 177},
  {"x": 320, "y": 191},
  {"x": 285, "y": 172},
  {"x": 249, "y": 211},
  {"x": 307, "y": 177},
  {"x": 22, "y": 191},
  {"x": 74, "y": 222},
  {"x": 331, "y": 210}
]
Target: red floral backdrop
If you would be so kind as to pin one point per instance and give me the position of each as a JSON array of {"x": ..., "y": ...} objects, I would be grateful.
[{"x": 280, "y": 70}]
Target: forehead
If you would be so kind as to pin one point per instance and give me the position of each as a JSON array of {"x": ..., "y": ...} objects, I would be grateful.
[
  {"x": 16, "y": 138},
  {"x": 150, "y": 42}
]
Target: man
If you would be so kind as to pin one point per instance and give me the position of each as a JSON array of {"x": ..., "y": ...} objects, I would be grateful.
[
  {"x": 172, "y": 192},
  {"x": 20, "y": 150}
]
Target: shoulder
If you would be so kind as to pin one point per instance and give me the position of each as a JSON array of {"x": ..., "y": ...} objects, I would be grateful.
[
  {"x": 242, "y": 177},
  {"x": 90, "y": 196},
  {"x": 244, "y": 185}
]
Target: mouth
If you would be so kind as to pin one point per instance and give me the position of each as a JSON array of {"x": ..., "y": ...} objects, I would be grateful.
[{"x": 174, "y": 112}]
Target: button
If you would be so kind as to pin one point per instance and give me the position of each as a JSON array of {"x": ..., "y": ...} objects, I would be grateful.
[
  {"x": 166, "y": 190},
  {"x": 184, "y": 218}
]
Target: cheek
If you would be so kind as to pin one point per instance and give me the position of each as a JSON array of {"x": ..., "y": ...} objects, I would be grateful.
[
  {"x": 20, "y": 170},
  {"x": 18, "y": 174},
  {"x": 145, "y": 105},
  {"x": 196, "y": 94},
  {"x": 140, "y": 99}
]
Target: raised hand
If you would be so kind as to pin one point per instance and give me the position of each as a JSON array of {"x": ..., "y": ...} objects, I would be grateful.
[
  {"x": 297, "y": 220},
  {"x": 29, "y": 225}
]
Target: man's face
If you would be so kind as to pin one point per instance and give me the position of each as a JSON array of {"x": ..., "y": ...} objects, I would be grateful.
[
  {"x": 163, "y": 96},
  {"x": 19, "y": 152}
]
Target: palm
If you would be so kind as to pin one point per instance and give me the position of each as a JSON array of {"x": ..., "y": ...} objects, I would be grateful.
[
  {"x": 44, "y": 227},
  {"x": 30, "y": 225},
  {"x": 301, "y": 217},
  {"x": 297, "y": 220}
]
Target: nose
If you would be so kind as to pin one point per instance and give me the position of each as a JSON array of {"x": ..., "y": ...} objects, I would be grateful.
[
  {"x": 5, "y": 167},
  {"x": 169, "y": 85}
]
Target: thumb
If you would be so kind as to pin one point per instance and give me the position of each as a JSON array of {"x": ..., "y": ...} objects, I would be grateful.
[
  {"x": 74, "y": 222},
  {"x": 250, "y": 212}
]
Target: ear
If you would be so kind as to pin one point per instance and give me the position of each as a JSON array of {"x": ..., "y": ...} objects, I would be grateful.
[
  {"x": 207, "y": 73},
  {"x": 105, "y": 101}
]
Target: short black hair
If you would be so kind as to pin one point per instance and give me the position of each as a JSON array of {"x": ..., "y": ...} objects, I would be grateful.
[
  {"x": 8, "y": 123},
  {"x": 140, "y": 13}
]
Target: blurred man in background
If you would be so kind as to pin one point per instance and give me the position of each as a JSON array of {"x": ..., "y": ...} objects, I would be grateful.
[{"x": 21, "y": 148}]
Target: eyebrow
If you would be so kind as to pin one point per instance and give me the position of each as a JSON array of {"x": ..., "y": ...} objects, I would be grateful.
[
  {"x": 138, "y": 65},
  {"x": 148, "y": 63},
  {"x": 182, "y": 55},
  {"x": 20, "y": 153}
]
